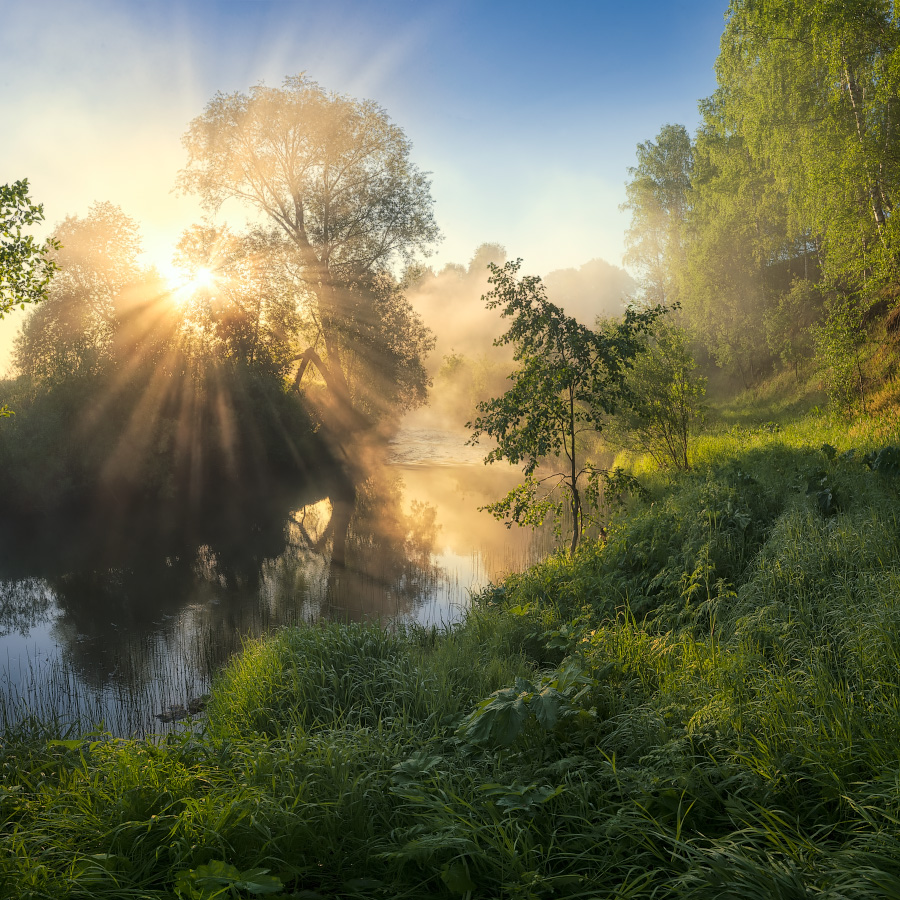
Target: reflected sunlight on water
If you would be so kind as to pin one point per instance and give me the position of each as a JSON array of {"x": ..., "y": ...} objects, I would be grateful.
[{"x": 132, "y": 642}]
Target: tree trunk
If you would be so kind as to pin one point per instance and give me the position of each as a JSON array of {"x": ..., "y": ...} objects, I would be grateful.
[
  {"x": 576, "y": 519},
  {"x": 872, "y": 184},
  {"x": 331, "y": 313}
]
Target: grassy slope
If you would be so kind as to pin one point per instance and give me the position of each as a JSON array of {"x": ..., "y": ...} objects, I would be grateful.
[{"x": 708, "y": 706}]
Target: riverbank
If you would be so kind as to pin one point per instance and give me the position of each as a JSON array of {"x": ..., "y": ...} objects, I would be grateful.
[{"x": 708, "y": 705}]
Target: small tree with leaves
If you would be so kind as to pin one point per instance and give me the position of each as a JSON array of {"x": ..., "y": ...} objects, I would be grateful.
[
  {"x": 665, "y": 396},
  {"x": 569, "y": 380}
]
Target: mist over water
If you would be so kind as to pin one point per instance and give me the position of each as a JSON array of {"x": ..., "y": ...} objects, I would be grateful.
[
  {"x": 175, "y": 506},
  {"x": 126, "y": 640}
]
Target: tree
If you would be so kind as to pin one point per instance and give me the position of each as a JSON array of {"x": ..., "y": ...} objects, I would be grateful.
[
  {"x": 26, "y": 267},
  {"x": 71, "y": 333},
  {"x": 240, "y": 301},
  {"x": 665, "y": 394},
  {"x": 659, "y": 199},
  {"x": 813, "y": 88},
  {"x": 735, "y": 229},
  {"x": 569, "y": 379},
  {"x": 790, "y": 321},
  {"x": 334, "y": 174}
]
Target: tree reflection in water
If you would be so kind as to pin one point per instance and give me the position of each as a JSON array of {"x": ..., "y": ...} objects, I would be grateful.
[{"x": 123, "y": 630}]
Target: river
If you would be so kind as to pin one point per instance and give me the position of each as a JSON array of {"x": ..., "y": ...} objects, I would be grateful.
[{"x": 129, "y": 641}]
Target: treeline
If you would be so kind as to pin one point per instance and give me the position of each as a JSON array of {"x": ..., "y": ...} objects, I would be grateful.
[
  {"x": 133, "y": 388},
  {"x": 772, "y": 226},
  {"x": 136, "y": 396},
  {"x": 129, "y": 395}
]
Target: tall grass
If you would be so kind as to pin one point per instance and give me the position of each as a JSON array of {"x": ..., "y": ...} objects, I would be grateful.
[{"x": 705, "y": 706}]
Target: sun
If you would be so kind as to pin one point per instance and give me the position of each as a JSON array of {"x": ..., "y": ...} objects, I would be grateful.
[
  {"x": 203, "y": 278},
  {"x": 183, "y": 285}
]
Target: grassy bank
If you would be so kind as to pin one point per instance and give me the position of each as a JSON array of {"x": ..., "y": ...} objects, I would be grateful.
[{"x": 706, "y": 706}]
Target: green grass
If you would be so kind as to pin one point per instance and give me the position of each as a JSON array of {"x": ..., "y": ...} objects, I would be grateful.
[{"x": 706, "y": 706}]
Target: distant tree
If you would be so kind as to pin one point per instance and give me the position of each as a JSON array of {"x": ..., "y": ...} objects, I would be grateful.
[
  {"x": 71, "y": 333},
  {"x": 569, "y": 379},
  {"x": 335, "y": 174},
  {"x": 659, "y": 199},
  {"x": 736, "y": 230},
  {"x": 596, "y": 288}
]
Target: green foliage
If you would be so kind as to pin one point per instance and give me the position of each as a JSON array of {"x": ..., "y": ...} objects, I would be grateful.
[
  {"x": 551, "y": 698},
  {"x": 840, "y": 342},
  {"x": 736, "y": 217},
  {"x": 812, "y": 88},
  {"x": 703, "y": 706},
  {"x": 789, "y": 323},
  {"x": 569, "y": 379},
  {"x": 26, "y": 267},
  {"x": 786, "y": 192},
  {"x": 659, "y": 199},
  {"x": 219, "y": 879},
  {"x": 664, "y": 399}
]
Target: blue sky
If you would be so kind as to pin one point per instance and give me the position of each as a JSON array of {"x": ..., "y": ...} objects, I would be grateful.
[{"x": 526, "y": 114}]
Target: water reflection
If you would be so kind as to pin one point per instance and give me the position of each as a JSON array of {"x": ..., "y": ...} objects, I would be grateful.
[{"x": 122, "y": 630}]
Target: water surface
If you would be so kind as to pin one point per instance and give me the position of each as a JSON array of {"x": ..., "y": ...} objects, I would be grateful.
[{"x": 124, "y": 634}]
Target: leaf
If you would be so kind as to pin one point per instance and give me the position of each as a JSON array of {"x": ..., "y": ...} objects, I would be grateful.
[
  {"x": 546, "y": 707},
  {"x": 497, "y": 721},
  {"x": 456, "y": 877},
  {"x": 418, "y": 764},
  {"x": 216, "y": 871},
  {"x": 521, "y": 797},
  {"x": 570, "y": 675},
  {"x": 885, "y": 461},
  {"x": 258, "y": 881},
  {"x": 202, "y": 882},
  {"x": 68, "y": 745}
]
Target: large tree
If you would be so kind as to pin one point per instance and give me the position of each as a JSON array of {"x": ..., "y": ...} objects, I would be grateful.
[
  {"x": 335, "y": 174},
  {"x": 814, "y": 89}
]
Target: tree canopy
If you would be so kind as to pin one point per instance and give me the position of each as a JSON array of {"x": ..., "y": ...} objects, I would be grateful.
[
  {"x": 332, "y": 172},
  {"x": 658, "y": 197},
  {"x": 776, "y": 220}
]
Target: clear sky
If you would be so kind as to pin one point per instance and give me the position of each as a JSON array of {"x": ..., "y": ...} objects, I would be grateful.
[{"x": 526, "y": 113}]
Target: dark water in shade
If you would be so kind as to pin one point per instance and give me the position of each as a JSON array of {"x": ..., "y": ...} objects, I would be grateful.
[{"x": 128, "y": 636}]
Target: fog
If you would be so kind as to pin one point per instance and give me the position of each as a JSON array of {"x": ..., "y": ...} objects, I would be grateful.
[{"x": 465, "y": 366}]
